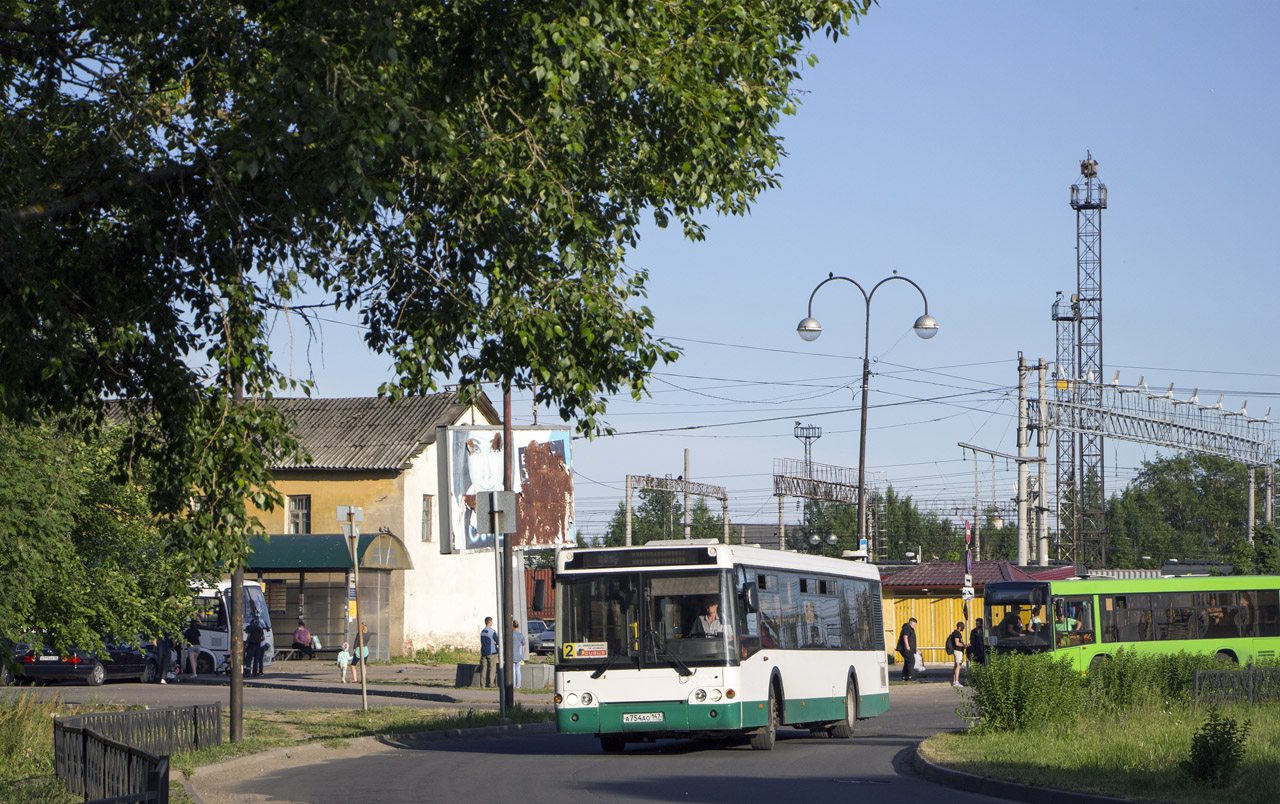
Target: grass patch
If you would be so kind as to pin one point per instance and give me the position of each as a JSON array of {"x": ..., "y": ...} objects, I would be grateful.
[
  {"x": 334, "y": 727},
  {"x": 444, "y": 654},
  {"x": 1131, "y": 754},
  {"x": 26, "y": 749}
]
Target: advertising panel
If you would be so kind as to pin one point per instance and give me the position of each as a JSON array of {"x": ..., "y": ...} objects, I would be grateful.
[{"x": 472, "y": 462}]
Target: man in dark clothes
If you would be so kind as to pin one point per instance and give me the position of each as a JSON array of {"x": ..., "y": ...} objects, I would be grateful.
[
  {"x": 907, "y": 647},
  {"x": 977, "y": 643}
]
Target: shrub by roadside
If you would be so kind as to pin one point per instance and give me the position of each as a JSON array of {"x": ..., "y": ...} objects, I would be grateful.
[{"x": 1125, "y": 729}]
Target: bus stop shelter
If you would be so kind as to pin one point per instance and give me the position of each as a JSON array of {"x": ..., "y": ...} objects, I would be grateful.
[{"x": 310, "y": 577}]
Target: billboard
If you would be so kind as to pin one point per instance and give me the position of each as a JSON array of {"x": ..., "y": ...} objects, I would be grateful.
[{"x": 471, "y": 462}]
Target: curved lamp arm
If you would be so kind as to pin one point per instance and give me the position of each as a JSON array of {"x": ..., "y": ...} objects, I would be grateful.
[{"x": 926, "y": 326}]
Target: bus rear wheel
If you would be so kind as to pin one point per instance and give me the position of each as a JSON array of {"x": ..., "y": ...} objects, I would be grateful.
[
  {"x": 764, "y": 739},
  {"x": 612, "y": 743},
  {"x": 844, "y": 729}
]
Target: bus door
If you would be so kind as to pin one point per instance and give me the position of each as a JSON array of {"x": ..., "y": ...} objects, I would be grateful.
[{"x": 212, "y": 618}]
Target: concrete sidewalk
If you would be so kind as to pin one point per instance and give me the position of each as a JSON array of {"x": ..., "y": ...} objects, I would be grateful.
[{"x": 387, "y": 681}]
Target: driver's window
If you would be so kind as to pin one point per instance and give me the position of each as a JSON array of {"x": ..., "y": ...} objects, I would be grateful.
[{"x": 1073, "y": 621}]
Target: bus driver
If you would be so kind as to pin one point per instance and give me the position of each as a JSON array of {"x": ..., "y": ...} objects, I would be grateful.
[{"x": 709, "y": 624}]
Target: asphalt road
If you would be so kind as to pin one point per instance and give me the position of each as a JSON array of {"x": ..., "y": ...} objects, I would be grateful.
[{"x": 571, "y": 769}]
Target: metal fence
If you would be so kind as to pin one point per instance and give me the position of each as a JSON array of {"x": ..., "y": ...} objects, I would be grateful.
[
  {"x": 1251, "y": 685},
  {"x": 121, "y": 757}
]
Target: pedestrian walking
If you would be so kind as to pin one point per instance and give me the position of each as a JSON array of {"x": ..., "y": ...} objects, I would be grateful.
[
  {"x": 164, "y": 657},
  {"x": 344, "y": 660},
  {"x": 955, "y": 646},
  {"x": 907, "y": 647},
  {"x": 192, "y": 637}
]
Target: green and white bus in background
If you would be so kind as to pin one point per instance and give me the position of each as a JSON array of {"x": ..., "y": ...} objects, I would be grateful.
[
  {"x": 1235, "y": 618},
  {"x": 701, "y": 639}
]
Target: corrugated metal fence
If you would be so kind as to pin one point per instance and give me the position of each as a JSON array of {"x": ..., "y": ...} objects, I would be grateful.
[
  {"x": 1251, "y": 685},
  {"x": 531, "y": 579},
  {"x": 123, "y": 756}
]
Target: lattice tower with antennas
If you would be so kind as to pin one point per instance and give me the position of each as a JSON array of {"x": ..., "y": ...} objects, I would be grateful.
[{"x": 1081, "y": 475}]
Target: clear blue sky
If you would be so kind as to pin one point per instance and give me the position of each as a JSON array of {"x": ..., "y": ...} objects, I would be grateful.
[{"x": 940, "y": 140}]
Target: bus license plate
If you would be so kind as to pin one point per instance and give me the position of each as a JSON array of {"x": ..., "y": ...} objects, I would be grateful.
[{"x": 643, "y": 717}]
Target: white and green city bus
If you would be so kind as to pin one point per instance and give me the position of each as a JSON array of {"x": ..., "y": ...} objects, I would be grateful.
[
  {"x": 797, "y": 640},
  {"x": 1235, "y": 618}
]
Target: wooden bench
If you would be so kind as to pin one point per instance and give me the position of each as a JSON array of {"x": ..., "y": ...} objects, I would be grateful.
[{"x": 291, "y": 654}]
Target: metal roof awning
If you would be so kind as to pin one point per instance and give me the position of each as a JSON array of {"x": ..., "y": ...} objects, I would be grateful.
[{"x": 326, "y": 552}]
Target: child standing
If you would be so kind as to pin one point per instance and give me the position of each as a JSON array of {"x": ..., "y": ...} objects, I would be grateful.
[{"x": 344, "y": 660}]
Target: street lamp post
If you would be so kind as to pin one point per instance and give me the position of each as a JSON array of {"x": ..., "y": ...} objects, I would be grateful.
[
  {"x": 815, "y": 540},
  {"x": 809, "y": 329}
]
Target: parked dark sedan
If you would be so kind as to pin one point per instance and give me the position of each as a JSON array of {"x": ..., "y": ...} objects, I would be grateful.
[
  {"x": 545, "y": 642},
  {"x": 118, "y": 661}
]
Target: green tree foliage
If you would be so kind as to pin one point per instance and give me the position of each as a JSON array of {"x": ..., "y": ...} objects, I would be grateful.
[
  {"x": 1266, "y": 542},
  {"x": 82, "y": 555},
  {"x": 1185, "y": 506},
  {"x": 824, "y": 518},
  {"x": 660, "y": 515},
  {"x": 910, "y": 530},
  {"x": 468, "y": 175}
]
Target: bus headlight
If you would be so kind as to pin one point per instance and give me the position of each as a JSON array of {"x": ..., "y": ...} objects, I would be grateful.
[
  {"x": 586, "y": 699},
  {"x": 572, "y": 699},
  {"x": 715, "y": 695},
  {"x": 700, "y": 695}
]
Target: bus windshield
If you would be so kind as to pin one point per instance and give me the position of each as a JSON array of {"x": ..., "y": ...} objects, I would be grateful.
[
  {"x": 647, "y": 619},
  {"x": 1018, "y": 620}
]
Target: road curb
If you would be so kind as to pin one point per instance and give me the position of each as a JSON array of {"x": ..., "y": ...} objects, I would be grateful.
[
  {"x": 999, "y": 788},
  {"x": 445, "y": 735}
]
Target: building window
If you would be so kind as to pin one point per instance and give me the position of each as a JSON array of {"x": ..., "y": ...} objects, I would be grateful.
[
  {"x": 300, "y": 513},
  {"x": 426, "y": 517}
]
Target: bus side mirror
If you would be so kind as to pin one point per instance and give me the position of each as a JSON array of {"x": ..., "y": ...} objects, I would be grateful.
[
  {"x": 539, "y": 594},
  {"x": 750, "y": 595}
]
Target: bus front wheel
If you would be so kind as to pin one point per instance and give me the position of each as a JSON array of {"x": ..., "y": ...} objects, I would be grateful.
[
  {"x": 763, "y": 739},
  {"x": 612, "y": 743},
  {"x": 1226, "y": 657}
]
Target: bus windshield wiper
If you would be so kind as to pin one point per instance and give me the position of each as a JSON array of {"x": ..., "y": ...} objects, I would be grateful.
[
  {"x": 675, "y": 661},
  {"x": 605, "y": 665}
]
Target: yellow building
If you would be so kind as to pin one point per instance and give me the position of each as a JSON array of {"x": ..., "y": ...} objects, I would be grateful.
[
  {"x": 932, "y": 593},
  {"x": 382, "y": 458}
]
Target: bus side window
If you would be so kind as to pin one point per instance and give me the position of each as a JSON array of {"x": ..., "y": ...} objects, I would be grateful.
[{"x": 210, "y": 613}]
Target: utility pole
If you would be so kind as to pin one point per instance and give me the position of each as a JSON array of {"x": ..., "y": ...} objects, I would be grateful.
[
  {"x": 1022, "y": 461},
  {"x": 686, "y": 476},
  {"x": 1042, "y": 443},
  {"x": 508, "y": 557},
  {"x": 236, "y": 637}
]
